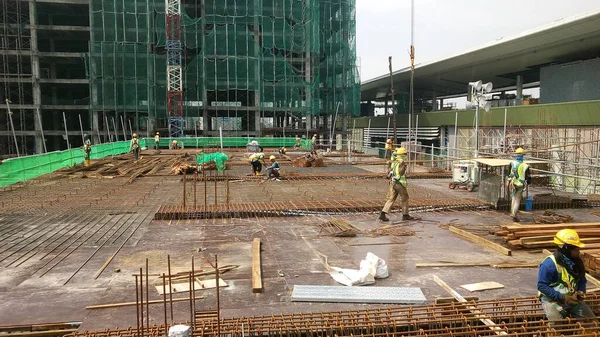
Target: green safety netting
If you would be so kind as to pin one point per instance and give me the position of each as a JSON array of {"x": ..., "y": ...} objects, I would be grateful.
[
  {"x": 227, "y": 142},
  {"x": 292, "y": 56},
  {"x": 218, "y": 157},
  {"x": 24, "y": 168}
]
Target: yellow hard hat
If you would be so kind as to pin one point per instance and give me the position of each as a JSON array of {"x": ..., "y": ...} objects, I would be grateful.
[
  {"x": 400, "y": 150},
  {"x": 389, "y": 141},
  {"x": 315, "y": 135},
  {"x": 520, "y": 151},
  {"x": 135, "y": 135},
  {"x": 272, "y": 157},
  {"x": 568, "y": 236},
  {"x": 297, "y": 138}
]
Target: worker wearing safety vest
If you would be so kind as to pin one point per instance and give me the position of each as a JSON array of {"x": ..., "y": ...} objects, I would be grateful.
[
  {"x": 388, "y": 149},
  {"x": 157, "y": 140},
  {"x": 398, "y": 186},
  {"x": 298, "y": 143},
  {"x": 313, "y": 142},
  {"x": 134, "y": 146},
  {"x": 87, "y": 149},
  {"x": 519, "y": 177},
  {"x": 561, "y": 280},
  {"x": 255, "y": 161}
]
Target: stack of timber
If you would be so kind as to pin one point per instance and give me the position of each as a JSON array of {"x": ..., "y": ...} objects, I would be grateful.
[{"x": 541, "y": 236}]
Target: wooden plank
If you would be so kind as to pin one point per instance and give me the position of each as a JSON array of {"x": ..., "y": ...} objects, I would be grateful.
[
  {"x": 583, "y": 233},
  {"x": 476, "y": 264},
  {"x": 212, "y": 283},
  {"x": 127, "y": 304},
  {"x": 488, "y": 322},
  {"x": 177, "y": 287},
  {"x": 480, "y": 240},
  {"x": 555, "y": 227},
  {"x": 482, "y": 286},
  {"x": 257, "y": 286},
  {"x": 446, "y": 300},
  {"x": 550, "y": 243}
]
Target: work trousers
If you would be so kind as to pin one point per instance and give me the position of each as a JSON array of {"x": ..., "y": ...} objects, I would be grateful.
[
  {"x": 272, "y": 173},
  {"x": 579, "y": 310},
  {"x": 517, "y": 196},
  {"x": 395, "y": 190},
  {"x": 136, "y": 154},
  {"x": 256, "y": 166},
  {"x": 388, "y": 154}
]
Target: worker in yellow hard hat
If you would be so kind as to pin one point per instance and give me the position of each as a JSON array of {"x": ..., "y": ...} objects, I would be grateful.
[
  {"x": 298, "y": 143},
  {"x": 398, "y": 186},
  {"x": 282, "y": 150},
  {"x": 388, "y": 149},
  {"x": 313, "y": 142},
  {"x": 256, "y": 161},
  {"x": 134, "y": 146},
  {"x": 273, "y": 169},
  {"x": 156, "y": 140},
  {"x": 87, "y": 149},
  {"x": 519, "y": 177},
  {"x": 562, "y": 280}
]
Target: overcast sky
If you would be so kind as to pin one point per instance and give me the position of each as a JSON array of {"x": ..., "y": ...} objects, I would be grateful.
[{"x": 446, "y": 27}]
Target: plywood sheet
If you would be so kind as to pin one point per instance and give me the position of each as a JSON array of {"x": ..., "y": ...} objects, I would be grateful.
[{"x": 482, "y": 286}]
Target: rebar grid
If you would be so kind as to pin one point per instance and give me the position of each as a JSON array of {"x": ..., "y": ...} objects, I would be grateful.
[{"x": 513, "y": 317}]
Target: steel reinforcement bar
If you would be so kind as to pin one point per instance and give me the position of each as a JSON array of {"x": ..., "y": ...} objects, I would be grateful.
[
  {"x": 299, "y": 208},
  {"x": 321, "y": 176}
]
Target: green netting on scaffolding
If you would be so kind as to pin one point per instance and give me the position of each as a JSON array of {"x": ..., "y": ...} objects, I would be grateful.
[
  {"x": 24, "y": 168},
  {"x": 227, "y": 142},
  {"x": 218, "y": 157},
  {"x": 274, "y": 56}
]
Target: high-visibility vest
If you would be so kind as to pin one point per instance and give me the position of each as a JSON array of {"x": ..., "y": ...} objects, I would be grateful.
[
  {"x": 397, "y": 178},
  {"x": 517, "y": 172},
  {"x": 256, "y": 156},
  {"x": 156, "y": 139},
  {"x": 313, "y": 140},
  {"x": 566, "y": 284}
]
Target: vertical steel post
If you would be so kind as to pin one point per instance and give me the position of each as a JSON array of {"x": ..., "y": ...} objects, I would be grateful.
[{"x": 66, "y": 132}]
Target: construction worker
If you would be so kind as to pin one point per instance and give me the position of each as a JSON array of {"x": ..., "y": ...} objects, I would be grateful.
[
  {"x": 519, "y": 177},
  {"x": 298, "y": 143},
  {"x": 175, "y": 145},
  {"x": 273, "y": 169},
  {"x": 313, "y": 142},
  {"x": 282, "y": 150},
  {"x": 256, "y": 160},
  {"x": 388, "y": 149},
  {"x": 87, "y": 149},
  {"x": 134, "y": 146},
  {"x": 561, "y": 280},
  {"x": 398, "y": 186},
  {"x": 157, "y": 140}
]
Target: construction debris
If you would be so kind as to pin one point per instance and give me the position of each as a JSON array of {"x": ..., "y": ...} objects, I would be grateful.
[
  {"x": 308, "y": 161},
  {"x": 551, "y": 217},
  {"x": 339, "y": 228}
]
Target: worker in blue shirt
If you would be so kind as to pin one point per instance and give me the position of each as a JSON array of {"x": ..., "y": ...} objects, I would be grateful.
[
  {"x": 273, "y": 169},
  {"x": 561, "y": 280}
]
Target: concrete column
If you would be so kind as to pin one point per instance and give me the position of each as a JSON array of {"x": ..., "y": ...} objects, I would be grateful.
[
  {"x": 441, "y": 103},
  {"x": 95, "y": 128},
  {"x": 434, "y": 101},
  {"x": 35, "y": 72},
  {"x": 519, "y": 89}
]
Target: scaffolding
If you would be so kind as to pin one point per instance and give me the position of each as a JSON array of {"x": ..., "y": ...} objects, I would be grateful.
[{"x": 247, "y": 65}]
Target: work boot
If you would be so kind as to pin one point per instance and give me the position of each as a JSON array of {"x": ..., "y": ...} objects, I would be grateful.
[
  {"x": 382, "y": 217},
  {"x": 407, "y": 217},
  {"x": 515, "y": 219}
]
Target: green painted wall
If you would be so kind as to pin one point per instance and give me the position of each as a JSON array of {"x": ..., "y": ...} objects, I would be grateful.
[{"x": 585, "y": 113}]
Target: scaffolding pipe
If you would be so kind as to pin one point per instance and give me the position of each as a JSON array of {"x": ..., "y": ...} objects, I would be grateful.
[
  {"x": 504, "y": 134},
  {"x": 81, "y": 128},
  {"x": 124, "y": 129},
  {"x": 42, "y": 129},
  {"x": 115, "y": 127},
  {"x": 107, "y": 129},
  {"x": 12, "y": 126},
  {"x": 456, "y": 154},
  {"x": 131, "y": 130},
  {"x": 66, "y": 133}
]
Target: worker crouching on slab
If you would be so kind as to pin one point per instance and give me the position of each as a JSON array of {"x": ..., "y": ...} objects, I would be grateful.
[
  {"x": 397, "y": 187},
  {"x": 273, "y": 169},
  {"x": 134, "y": 146},
  {"x": 561, "y": 280},
  {"x": 87, "y": 149},
  {"x": 519, "y": 177},
  {"x": 256, "y": 161}
]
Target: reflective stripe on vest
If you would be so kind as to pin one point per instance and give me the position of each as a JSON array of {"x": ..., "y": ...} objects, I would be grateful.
[
  {"x": 518, "y": 170},
  {"x": 566, "y": 284},
  {"x": 397, "y": 178}
]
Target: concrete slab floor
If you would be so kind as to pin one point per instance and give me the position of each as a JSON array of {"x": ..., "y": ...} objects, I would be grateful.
[{"x": 295, "y": 247}]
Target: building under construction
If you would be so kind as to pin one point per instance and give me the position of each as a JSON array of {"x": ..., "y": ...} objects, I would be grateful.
[{"x": 109, "y": 68}]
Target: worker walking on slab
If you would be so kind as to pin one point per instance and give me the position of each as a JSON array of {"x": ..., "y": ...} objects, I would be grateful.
[
  {"x": 519, "y": 177},
  {"x": 388, "y": 149},
  {"x": 87, "y": 149},
  {"x": 134, "y": 146},
  {"x": 561, "y": 280},
  {"x": 273, "y": 169},
  {"x": 397, "y": 187},
  {"x": 313, "y": 142},
  {"x": 156, "y": 140},
  {"x": 256, "y": 160}
]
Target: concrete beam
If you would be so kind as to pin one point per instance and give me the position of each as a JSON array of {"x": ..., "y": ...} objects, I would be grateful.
[
  {"x": 72, "y": 2},
  {"x": 65, "y": 28},
  {"x": 41, "y": 54},
  {"x": 48, "y": 80},
  {"x": 46, "y": 133},
  {"x": 46, "y": 107}
]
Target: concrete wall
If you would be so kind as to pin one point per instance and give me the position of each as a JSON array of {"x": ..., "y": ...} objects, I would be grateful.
[{"x": 577, "y": 81}]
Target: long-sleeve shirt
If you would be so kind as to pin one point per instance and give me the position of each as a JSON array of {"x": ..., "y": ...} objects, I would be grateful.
[
  {"x": 548, "y": 275},
  {"x": 275, "y": 165}
]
